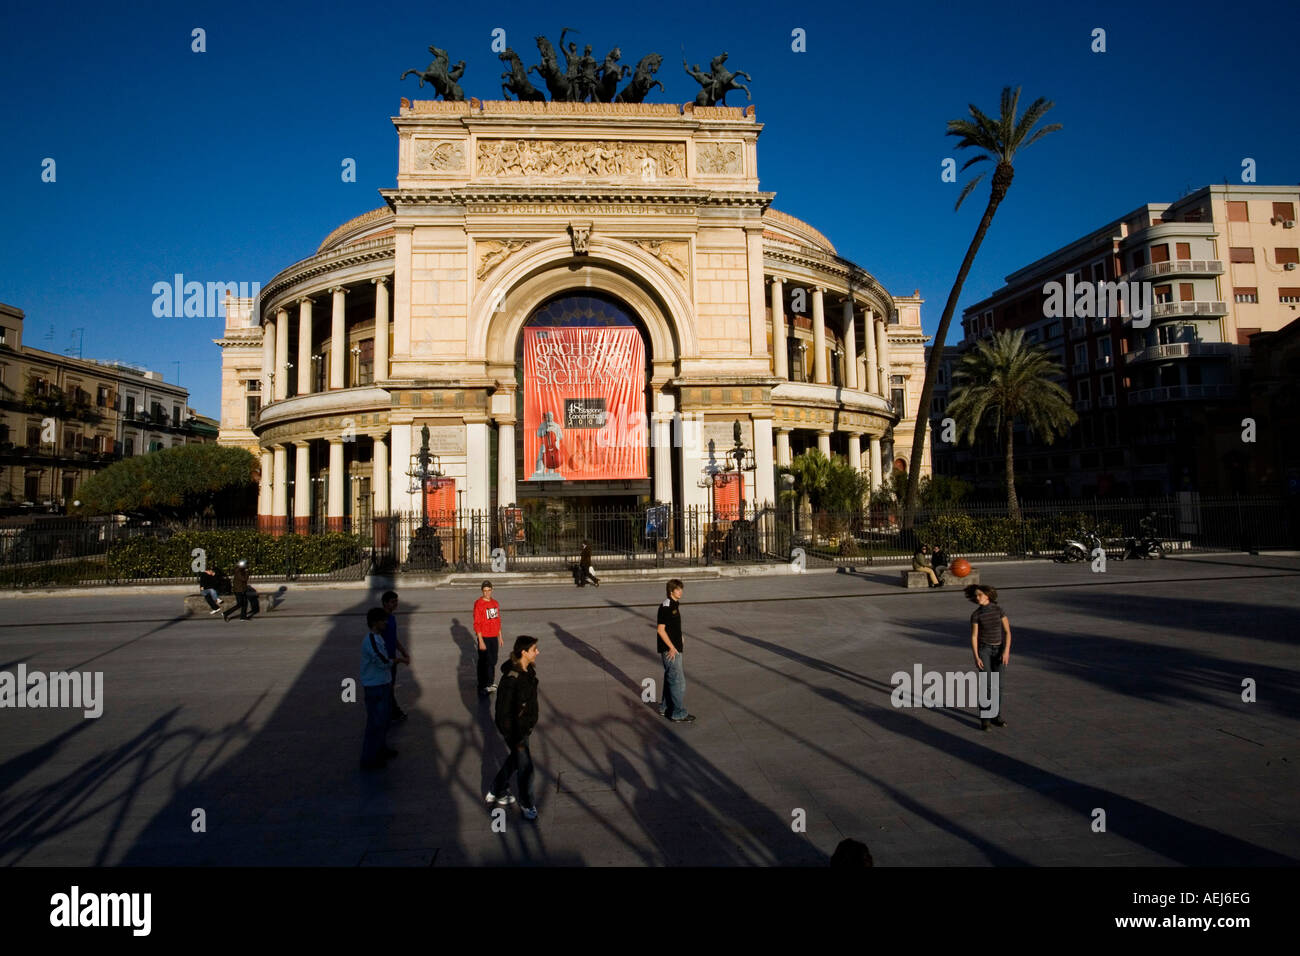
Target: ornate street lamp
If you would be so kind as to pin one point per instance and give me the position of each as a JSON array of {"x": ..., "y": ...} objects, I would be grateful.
[{"x": 424, "y": 465}]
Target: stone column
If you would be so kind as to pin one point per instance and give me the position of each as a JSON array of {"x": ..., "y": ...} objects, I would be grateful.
[
  {"x": 279, "y": 488},
  {"x": 301, "y": 487},
  {"x": 819, "y": 338},
  {"x": 850, "y": 347},
  {"x": 877, "y": 469},
  {"x": 381, "y": 328},
  {"x": 268, "y": 361},
  {"x": 663, "y": 486},
  {"x": 855, "y": 451},
  {"x": 873, "y": 370},
  {"x": 505, "y": 463},
  {"x": 281, "y": 354},
  {"x": 401, "y": 499},
  {"x": 266, "y": 490},
  {"x": 783, "y": 447},
  {"x": 379, "y": 479},
  {"x": 334, "y": 500},
  {"x": 338, "y": 339},
  {"x": 764, "y": 474},
  {"x": 304, "y": 346},
  {"x": 882, "y": 354},
  {"x": 780, "y": 350},
  {"x": 824, "y": 442},
  {"x": 476, "y": 466}
]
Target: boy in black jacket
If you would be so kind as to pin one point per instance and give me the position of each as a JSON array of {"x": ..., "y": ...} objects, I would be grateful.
[{"x": 516, "y": 716}]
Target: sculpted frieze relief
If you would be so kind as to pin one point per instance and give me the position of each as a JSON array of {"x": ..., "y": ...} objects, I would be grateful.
[
  {"x": 439, "y": 156},
  {"x": 719, "y": 159},
  {"x": 601, "y": 159}
]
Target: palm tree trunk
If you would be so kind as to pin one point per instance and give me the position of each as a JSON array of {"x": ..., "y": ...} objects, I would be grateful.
[
  {"x": 1001, "y": 183},
  {"x": 1013, "y": 503}
]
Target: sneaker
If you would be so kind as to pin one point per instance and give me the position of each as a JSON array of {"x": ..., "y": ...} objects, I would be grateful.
[
  {"x": 215, "y": 610},
  {"x": 689, "y": 718},
  {"x": 492, "y": 688},
  {"x": 530, "y": 813},
  {"x": 999, "y": 722},
  {"x": 663, "y": 713},
  {"x": 505, "y": 799}
]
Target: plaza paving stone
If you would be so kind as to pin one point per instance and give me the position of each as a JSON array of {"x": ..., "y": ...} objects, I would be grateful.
[{"x": 1123, "y": 694}]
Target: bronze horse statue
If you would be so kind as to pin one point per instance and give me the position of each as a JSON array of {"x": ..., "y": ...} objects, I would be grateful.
[
  {"x": 557, "y": 80},
  {"x": 517, "y": 79},
  {"x": 719, "y": 83},
  {"x": 610, "y": 75},
  {"x": 440, "y": 77},
  {"x": 642, "y": 81}
]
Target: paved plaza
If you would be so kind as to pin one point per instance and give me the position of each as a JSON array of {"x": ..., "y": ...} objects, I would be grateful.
[{"x": 1124, "y": 694}]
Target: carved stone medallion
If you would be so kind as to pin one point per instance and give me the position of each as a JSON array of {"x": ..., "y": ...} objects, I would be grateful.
[
  {"x": 443, "y": 156},
  {"x": 719, "y": 159}
]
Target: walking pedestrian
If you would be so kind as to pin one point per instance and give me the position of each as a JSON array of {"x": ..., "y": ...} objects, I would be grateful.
[
  {"x": 239, "y": 585},
  {"x": 376, "y": 678},
  {"x": 669, "y": 630},
  {"x": 394, "y": 649},
  {"x": 516, "y": 716},
  {"x": 487, "y": 630},
  {"x": 584, "y": 564},
  {"x": 990, "y": 641}
]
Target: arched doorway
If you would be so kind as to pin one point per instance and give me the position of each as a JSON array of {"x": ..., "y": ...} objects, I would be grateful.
[{"x": 584, "y": 414}]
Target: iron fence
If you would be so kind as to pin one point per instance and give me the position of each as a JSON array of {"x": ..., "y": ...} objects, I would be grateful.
[{"x": 69, "y": 551}]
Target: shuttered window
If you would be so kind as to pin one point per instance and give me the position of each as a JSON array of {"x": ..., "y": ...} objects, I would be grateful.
[
  {"x": 1237, "y": 212},
  {"x": 1241, "y": 254}
]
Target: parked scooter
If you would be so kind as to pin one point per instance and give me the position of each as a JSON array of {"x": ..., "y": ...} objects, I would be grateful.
[
  {"x": 1080, "y": 547},
  {"x": 1147, "y": 544}
]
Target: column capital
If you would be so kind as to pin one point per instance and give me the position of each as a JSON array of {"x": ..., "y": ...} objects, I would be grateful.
[
  {"x": 379, "y": 281},
  {"x": 334, "y": 441},
  {"x": 280, "y": 311},
  {"x": 376, "y": 436},
  {"x": 338, "y": 289},
  {"x": 304, "y": 300},
  {"x": 825, "y": 431},
  {"x": 301, "y": 444}
]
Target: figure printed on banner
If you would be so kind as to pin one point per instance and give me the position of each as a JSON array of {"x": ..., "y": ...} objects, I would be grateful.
[{"x": 549, "y": 437}]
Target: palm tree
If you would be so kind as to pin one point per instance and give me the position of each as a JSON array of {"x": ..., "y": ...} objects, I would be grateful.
[
  {"x": 1003, "y": 380},
  {"x": 1000, "y": 140}
]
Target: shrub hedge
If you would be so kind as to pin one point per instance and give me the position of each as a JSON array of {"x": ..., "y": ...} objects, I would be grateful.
[{"x": 148, "y": 557}]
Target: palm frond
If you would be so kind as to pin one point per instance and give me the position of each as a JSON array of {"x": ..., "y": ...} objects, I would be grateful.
[{"x": 967, "y": 190}]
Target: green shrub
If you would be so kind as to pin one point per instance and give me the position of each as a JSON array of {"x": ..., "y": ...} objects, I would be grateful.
[{"x": 149, "y": 557}]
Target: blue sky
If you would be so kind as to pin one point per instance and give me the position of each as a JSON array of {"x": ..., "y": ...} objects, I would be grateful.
[{"x": 225, "y": 165}]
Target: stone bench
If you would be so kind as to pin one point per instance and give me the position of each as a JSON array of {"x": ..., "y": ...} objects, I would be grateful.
[
  {"x": 196, "y": 605},
  {"x": 919, "y": 579}
]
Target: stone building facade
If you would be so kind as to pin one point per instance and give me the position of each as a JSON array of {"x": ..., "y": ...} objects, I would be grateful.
[{"x": 412, "y": 315}]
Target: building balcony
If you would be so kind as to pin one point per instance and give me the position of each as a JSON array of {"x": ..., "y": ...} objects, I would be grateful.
[
  {"x": 1106, "y": 401},
  {"x": 830, "y": 396},
  {"x": 1181, "y": 393},
  {"x": 1180, "y": 350},
  {"x": 1165, "y": 310},
  {"x": 1176, "y": 267},
  {"x": 1083, "y": 404},
  {"x": 1080, "y": 368}
]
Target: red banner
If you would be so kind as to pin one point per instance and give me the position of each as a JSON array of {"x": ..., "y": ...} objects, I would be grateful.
[
  {"x": 584, "y": 404},
  {"x": 728, "y": 496},
  {"x": 440, "y": 501}
]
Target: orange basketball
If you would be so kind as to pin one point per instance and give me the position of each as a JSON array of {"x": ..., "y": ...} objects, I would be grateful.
[{"x": 960, "y": 567}]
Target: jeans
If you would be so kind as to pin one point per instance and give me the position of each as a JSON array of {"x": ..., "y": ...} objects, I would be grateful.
[
  {"x": 991, "y": 656},
  {"x": 210, "y": 595},
  {"x": 520, "y": 761},
  {"x": 487, "y": 662},
  {"x": 393, "y": 709},
  {"x": 673, "y": 703},
  {"x": 372, "y": 746}
]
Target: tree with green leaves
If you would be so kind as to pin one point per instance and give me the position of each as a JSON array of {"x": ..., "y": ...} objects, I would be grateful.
[
  {"x": 183, "y": 482},
  {"x": 999, "y": 140},
  {"x": 831, "y": 484},
  {"x": 1002, "y": 381}
]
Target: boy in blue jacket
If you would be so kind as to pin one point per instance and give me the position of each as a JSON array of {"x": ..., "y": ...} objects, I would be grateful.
[{"x": 376, "y": 681}]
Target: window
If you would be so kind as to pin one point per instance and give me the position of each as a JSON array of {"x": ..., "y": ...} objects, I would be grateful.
[
  {"x": 1084, "y": 389},
  {"x": 943, "y": 375},
  {"x": 1053, "y": 330},
  {"x": 1241, "y": 254},
  {"x": 1160, "y": 253},
  {"x": 156, "y": 412},
  {"x": 1103, "y": 353},
  {"x": 130, "y": 449},
  {"x": 1098, "y": 271},
  {"x": 1283, "y": 256},
  {"x": 1164, "y": 293},
  {"x": 4, "y": 335},
  {"x": 365, "y": 362},
  {"x": 1237, "y": 212},
  {"x": 1186, "y": 292},
  {"x": 896, "y": 396},
  {"x": 33, "y": 436},
  {"x": 1288, "y": 295},
  {"x": 1106, "y": 386},
  {"x": 130, "y": 407},
  {"x": 176, "y": 415},
  {"x": 1184, "y": 250},
  {"x": 253, "y": 408},
  {"x": 1139, "y": 259},
  {"x": 1281, "y": 210},
  {"x": 1081, "y": 355},
  {"x": 1245, "y": 294},
  {"x": 253, "y": 385}
]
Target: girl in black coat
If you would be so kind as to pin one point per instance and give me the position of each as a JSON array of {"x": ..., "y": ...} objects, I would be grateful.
[{"x": 516, "y": 716}]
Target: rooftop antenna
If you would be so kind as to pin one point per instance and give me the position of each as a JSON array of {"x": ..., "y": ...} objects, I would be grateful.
[
  {"x": 75, "y": 350},
  {"x": 178, "y": 372}
]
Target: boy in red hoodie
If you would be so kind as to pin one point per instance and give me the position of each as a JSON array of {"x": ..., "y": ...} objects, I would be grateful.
[{"x": 487, "y": 629}]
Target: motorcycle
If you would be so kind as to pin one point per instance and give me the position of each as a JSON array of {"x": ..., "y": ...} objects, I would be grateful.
[
  {"x": 1080, "y": 547},
  {"x": 1146, "y": 544}
]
